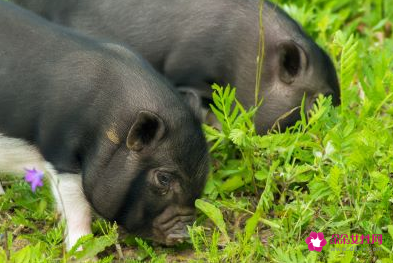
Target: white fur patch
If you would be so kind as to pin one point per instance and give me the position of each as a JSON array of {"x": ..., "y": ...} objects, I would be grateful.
[
  {"x": 16, "y": 155},
  {"x": 72, "y": 204}
]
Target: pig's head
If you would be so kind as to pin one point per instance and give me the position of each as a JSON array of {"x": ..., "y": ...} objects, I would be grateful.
[
  {"x": 152, "y": 175},
  {"x": 293, "y": 66},
  {"x": 294, "y": 69}
]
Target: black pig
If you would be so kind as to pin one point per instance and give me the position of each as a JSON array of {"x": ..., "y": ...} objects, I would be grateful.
[
  {"x": 197, "y": 43},
  {"x": 110, "y": 130}
]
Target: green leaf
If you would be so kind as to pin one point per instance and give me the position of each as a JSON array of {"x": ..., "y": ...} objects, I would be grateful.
[
  {"x": 218, "y": 114},
  {"x": 380, "y": 180},
  {"x": 335, "y": 180},
  {"x": 251, "y": 224},
  {"x": 23, "y": 255},
  {"x": 93, "y": 246},
  {"x": 238, "y": 137},
  {"x": 3, "y": 255},
  {"x": 214, "y": 214},
  {"x": 232, "y": 183},
  {"x": 347, "y": 66},
  {"x": 390, "y": 230}
]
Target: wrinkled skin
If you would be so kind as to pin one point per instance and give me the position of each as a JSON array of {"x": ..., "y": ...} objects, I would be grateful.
[
  {"x": 102, "y": 117},
  {"x": 197, "y": 43},
  {"x": 168, "y": 228}
]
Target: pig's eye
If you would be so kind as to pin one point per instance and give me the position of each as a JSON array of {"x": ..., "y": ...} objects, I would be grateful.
[{"x": 163, "y": 179}]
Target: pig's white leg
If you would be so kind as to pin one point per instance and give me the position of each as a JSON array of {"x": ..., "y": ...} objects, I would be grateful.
[{"x": 72, "y": 204}]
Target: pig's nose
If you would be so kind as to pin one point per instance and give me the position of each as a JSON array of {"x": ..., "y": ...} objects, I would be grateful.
[{"x": 171, "y": 226}]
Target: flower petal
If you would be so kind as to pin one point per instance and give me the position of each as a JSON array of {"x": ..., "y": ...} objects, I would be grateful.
[
  {"x": 314, "y": 235},
  {"x": 311, "y": 247},
  {"x": 320, "y": 236},
  {"x": 33, "y": 187},
  {"x": 35, "y": 178},
  {"x": 319, "y": 249},
  {"x": 28, "y": 178},
  {"x": 308, "y": 240},
  {"x": 323, "y": 242}
]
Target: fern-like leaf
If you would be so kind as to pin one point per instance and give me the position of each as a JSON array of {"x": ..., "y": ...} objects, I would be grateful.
[{"x": 349, "y": 55}]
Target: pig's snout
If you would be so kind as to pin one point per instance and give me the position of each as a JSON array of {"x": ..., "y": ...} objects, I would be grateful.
[{"x": 170, "y": 227}]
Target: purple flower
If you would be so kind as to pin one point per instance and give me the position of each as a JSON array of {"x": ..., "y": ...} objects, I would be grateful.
[{"x": 34, "y": 178}]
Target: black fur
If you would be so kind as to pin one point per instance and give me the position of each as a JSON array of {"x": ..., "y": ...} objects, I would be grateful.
[
  {"x": 197, "y": 43},
  {"x": 63, "y": 92}
]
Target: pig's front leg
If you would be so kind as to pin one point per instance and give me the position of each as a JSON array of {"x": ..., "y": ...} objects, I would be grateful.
[{"x": 73, "y": 206}]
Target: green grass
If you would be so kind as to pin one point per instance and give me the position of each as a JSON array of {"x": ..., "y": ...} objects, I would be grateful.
[{"x": 330, "y": 174}]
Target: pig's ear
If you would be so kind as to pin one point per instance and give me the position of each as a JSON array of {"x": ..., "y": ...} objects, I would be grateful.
[
  {"x": 293, "y": 61},
  {"x": 147, "y": 129}
]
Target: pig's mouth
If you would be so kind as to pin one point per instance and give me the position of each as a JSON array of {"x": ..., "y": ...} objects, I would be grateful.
[{"x": 170, "y": 228}]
